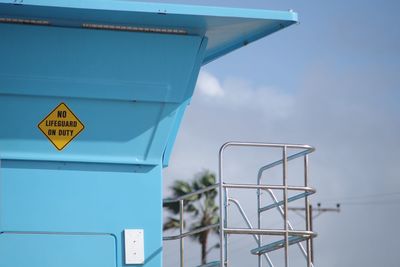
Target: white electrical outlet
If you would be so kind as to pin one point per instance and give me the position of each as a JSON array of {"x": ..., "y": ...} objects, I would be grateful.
[{"x": 134, "y": 246}]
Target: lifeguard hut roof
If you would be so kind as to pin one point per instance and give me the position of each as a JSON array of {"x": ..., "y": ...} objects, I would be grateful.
[{"x": 226, "y": 28}]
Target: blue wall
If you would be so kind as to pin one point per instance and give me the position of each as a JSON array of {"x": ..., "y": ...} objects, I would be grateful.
[{"x": 70, "y": 207}]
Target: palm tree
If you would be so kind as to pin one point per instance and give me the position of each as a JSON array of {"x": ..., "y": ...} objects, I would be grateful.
[{"x": 202, "y": 207}]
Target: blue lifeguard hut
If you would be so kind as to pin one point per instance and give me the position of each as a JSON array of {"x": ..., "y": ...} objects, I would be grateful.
[{"x": 92, "y": 94}]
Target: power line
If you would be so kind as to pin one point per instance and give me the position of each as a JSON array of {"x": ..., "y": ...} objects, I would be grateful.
[
  {"x": 388, "y": 194},
  {"x": 317, "y": 209},
  {"x": 378, "y": 202}
]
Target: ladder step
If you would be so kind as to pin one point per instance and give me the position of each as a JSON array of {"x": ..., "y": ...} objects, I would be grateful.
[
  {"x": 290, "y": 199},
  {"x": 211, "y": 264},
  {"x": 277, "y": 245}
]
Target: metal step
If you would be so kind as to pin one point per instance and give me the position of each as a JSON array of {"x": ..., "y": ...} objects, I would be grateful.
[
  {"x": 211, "y": 264},
  {"x": 290, "y": 199},
  {"x": 277, "y": 245}
]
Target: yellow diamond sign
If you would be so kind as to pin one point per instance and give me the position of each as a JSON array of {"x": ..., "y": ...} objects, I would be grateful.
[{"x": 61, "y": 126}]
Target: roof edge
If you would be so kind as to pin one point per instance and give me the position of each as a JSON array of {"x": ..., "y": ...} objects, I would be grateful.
[{"x": 177, "y": 9}]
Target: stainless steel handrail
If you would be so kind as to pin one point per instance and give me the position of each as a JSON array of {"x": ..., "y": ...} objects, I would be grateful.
[
  {"x": 257, "y": 233},
  {"x": 183, "y": 234},
  {"x": 284, "y": 212},
  {"x": 246, "y": 219},
  {"x": 275, "y": 232},
  {"x": 281, "y": 187},
  {"x": 193, "y": 232},
  {"x": 275, "y": 199},
  {"x": 289, "y": 158},
  {"x": 223, "y": 198},
  {"x": 188, "y": 195}
]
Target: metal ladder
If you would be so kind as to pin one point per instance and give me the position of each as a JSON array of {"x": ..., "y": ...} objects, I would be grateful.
[{"x": 289, "y": 234}]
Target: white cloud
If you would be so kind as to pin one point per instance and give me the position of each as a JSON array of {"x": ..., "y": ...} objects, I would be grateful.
[
  {"x": 243, "y": 112},
  {"x": 234, "y": 94},
  {"x": 265, "y": 101},
  {"x": 209, "y": 85}
]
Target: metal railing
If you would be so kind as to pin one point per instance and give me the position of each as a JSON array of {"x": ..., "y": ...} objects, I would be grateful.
[
  {"x": 290, "y": 235},
  {"x": 183, "y": 234}
]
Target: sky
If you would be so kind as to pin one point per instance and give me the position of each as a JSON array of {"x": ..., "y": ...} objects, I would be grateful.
[{"x": 331, "y": 81}]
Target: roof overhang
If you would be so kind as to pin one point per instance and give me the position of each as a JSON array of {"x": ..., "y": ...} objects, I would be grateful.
[{"x": 226, "y": 28}]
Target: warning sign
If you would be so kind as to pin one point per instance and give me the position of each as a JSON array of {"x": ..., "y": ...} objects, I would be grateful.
[{"x": 61, "y": 126}]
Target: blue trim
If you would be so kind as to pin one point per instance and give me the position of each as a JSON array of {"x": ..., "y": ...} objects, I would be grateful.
[
  {"x": 226, "y": 28},
  {"x": 146, "y": 7}
]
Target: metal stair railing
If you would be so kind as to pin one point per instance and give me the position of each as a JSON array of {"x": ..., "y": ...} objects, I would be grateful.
[
  {"x": 183, "y": 234},
  {"x": 278, "y": 206},
  {"x": 285, "y": 159},
  {"x": 287, "y": 232},
  {"x": 290, "y": 235},
  {"x": 246, "y": 219},
  {"x": 260, "y": 232}
]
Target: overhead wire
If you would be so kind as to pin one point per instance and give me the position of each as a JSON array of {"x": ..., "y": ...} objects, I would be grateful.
[
  {"x": 366, "y": 203},
  {"x": 365, "y": 196},
  {"x": 370, "y": 199}
]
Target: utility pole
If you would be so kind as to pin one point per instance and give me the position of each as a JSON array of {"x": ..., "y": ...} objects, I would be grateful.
[
  {"x": 319, "y": 211},
  {"x": 311, "y": 229}
]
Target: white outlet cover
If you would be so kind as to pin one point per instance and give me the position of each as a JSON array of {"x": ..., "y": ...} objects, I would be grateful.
[{"x": 134, "y": 246}]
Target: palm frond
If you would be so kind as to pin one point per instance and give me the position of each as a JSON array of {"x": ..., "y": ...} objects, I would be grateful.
[{"x": 171, "y": 223}]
